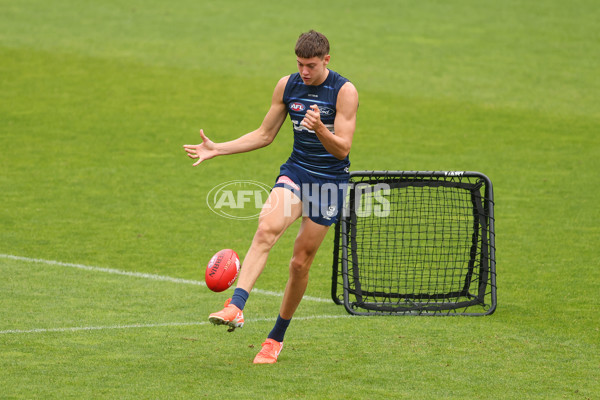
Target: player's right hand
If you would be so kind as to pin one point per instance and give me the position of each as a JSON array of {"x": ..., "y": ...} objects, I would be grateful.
[{"x": 203, "y": 151}]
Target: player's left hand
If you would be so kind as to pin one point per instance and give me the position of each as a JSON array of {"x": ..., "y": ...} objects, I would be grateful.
[{"x": 312, "y": 119}]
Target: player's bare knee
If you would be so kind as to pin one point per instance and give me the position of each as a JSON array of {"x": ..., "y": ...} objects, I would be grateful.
[{"x": 300, "y": 264}]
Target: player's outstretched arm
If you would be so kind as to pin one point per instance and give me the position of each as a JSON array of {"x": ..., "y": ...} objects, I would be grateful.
[{"x": 261, "y": 137}]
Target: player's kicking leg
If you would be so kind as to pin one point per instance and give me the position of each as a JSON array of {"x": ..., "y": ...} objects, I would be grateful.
[
  {"x": 281, "y": 209},
  {"x": 307, "y": 243},
  {"x": 231, "y": 316}
]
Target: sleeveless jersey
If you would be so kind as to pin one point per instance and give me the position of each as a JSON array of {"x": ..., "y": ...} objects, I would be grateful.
[{"x": 308, "y": 152}]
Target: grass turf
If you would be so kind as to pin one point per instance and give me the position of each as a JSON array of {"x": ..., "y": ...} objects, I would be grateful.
[{"x": 100, "y": 96}]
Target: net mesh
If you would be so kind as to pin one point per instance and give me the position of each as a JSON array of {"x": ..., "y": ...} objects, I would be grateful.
[{"x": 415, "y": 244}]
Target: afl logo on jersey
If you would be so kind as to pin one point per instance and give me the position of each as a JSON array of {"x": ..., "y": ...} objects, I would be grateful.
[{"x": 296, "y": 106}]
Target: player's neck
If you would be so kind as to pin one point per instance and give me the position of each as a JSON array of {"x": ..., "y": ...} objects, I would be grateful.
[{"x": 323, "y": 78}]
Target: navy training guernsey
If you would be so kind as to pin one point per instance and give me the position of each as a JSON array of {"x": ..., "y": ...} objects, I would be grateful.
[{"x": 308, "y": 152}]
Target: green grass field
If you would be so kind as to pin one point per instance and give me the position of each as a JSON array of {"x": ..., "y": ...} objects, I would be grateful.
[{"x": 105, "y": 231}]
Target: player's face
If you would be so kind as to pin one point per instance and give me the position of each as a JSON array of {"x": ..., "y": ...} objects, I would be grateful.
[{"x": 313, "y": 71}]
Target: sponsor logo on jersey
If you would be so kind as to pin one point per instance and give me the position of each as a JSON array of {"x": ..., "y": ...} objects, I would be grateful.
[
  {"x": 326, "y": 111},
  {"x": 296, "y": 106}
]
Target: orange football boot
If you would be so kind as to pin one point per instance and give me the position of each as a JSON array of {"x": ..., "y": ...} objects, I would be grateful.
[
  {"x": 230, "y": 316},
  {"x": 269, "y": 353}
]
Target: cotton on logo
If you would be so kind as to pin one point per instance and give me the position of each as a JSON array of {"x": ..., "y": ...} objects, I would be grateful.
[
  {"x": 238, "y": 199},
  {"x": 297, "y": 106}
]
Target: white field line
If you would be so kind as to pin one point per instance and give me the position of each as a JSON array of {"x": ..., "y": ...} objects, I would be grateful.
[
  {"x": 99, "y": 328},
  {"x": 142, "y": 275},
  {"x": 158, "y": 325},
  {"x": 145, "y": 276}
]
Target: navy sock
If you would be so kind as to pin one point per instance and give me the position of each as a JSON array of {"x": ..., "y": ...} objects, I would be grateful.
[
  {"x": 239, "y": 298},
  {"x": 279, "y": 329}
]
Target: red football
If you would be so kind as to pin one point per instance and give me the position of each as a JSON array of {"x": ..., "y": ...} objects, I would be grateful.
[{"x": 222, "y": 270}]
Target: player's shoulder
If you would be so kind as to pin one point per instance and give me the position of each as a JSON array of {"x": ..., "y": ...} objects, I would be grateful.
[
  {"x": 347, "y": 97},
  {"x": 284, "y": 80},
  {"x": 281, "y": 88},
  {"x": 282, "y": 84},
  {"x": 348, "y": 89},
  {"x": 341, "y": 82}
]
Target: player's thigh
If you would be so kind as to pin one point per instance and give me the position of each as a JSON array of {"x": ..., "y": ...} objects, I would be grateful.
[
  {"x": 309, "y": 238},
  {"x": 280, "y": 210}
]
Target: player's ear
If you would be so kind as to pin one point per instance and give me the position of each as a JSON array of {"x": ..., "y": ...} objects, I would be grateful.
[{"x": 326, "y": 59}]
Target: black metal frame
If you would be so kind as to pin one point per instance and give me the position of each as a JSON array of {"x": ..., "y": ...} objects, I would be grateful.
[{"x": 483, "y": 237}]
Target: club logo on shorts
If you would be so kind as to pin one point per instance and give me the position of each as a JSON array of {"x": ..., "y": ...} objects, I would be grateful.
[
  {"x": 331, "y": 211},
  {"x": 297, "y": 106}
]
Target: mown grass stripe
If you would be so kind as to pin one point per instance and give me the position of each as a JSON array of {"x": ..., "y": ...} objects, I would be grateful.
[
  {"x": 156, "y": 325},
  {"x": 141, "y": 275}
]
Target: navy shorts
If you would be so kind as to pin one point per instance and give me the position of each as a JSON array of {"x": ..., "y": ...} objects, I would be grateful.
[{"x": 322, "y": 198}]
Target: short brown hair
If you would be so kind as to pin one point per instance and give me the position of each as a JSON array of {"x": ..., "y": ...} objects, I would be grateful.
[{"x": 312, "y": 44}]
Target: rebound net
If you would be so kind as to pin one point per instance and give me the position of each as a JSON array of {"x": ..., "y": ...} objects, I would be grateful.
[{"x": 415, "y": 242}]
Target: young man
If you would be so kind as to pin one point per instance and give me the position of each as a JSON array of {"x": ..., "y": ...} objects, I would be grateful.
[{"x": 322, "y": 106}]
